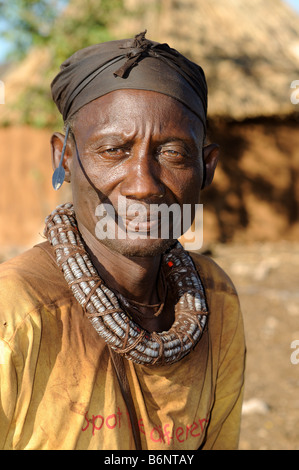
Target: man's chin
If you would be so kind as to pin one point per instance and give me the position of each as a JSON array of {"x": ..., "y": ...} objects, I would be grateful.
[{"x": 138, "y": 248}]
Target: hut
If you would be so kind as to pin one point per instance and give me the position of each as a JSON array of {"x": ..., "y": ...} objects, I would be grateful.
[{"x": 249, "y": 50}]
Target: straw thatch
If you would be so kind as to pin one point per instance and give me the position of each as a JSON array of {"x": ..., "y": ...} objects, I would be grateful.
[
  {"x": 249, "y": 50},
  {"x": 18, "y": 79}
]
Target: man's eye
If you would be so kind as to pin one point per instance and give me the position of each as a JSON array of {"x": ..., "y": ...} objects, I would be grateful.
[
  {"x": 171, "y": 153},
  {"x": 114, "y": 152}
]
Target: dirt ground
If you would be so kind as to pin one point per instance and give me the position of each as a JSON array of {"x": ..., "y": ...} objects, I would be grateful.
[{"x": 266, "y": 277}]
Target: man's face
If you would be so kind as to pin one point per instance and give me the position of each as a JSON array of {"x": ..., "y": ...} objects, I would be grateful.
[{"x": 141, "y": 146}]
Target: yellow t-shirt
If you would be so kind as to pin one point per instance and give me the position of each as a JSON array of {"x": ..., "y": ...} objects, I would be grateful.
[{"x": 58, "y": 388}]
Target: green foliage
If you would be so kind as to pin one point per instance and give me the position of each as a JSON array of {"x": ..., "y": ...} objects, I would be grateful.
[
  {"x": 88, "y": 24},
  {"x": 28, "y": 22},
  {"x": 62, "y": 27},
  {"x": 37, "y": 107}
]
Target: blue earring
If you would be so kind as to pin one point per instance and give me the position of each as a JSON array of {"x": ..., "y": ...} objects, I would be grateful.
[{"x": 59, "y": 173}]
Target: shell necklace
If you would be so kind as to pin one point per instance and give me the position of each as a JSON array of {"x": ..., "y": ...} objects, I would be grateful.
[{"x": 102, "y": 306}]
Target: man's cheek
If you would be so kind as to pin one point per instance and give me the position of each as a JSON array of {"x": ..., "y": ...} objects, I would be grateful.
[{"x": 190, "y": 192}]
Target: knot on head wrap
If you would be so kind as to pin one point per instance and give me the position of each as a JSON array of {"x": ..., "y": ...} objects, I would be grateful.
[
  {"x": 137, "y": 63},
  {"x": 141, "y": 46}
]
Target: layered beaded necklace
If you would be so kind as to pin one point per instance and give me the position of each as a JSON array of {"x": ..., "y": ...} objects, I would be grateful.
[{"x": 103, "y": 308}]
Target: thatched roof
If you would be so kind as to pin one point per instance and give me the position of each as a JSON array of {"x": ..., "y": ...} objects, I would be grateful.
[
  {"x": 249, "y": 50},
  {"x": 18, "y": 79},
  {"x": 5, "y": 68}
]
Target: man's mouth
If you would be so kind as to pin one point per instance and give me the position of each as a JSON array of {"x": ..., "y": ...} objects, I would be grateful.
[{"x": 141, "y": 221}]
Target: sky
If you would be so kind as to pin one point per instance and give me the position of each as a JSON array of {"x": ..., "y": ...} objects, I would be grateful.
[
  {"x": 293, "y": 3},
  {"x": 4, "y": 46}
]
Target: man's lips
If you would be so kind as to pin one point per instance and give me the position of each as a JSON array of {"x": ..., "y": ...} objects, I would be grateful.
[{"x": 142, "y": 224}]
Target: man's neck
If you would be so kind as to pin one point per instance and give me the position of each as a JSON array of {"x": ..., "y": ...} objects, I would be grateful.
[{"x": 136, "y": 278}]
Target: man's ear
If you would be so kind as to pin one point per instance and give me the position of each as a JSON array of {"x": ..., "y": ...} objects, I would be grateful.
[
  {"x": 57, "y": 141},
  {"x": 210, "y": 160}
]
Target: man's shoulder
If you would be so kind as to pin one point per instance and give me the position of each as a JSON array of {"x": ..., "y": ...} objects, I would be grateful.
[
  {"x": 212, "y": 275},
  {"x": 28, "y": 282},
  {"x": 30, "y": 266}
]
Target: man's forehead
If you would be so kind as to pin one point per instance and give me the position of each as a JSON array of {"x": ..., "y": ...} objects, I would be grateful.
[{"x": 129, "y": 110}]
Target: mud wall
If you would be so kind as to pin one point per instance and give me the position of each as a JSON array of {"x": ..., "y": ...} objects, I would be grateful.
[{"x": 255, "y": 193}]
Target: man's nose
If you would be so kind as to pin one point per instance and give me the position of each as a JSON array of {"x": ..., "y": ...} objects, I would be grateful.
[{"x": 142, "y": 178}]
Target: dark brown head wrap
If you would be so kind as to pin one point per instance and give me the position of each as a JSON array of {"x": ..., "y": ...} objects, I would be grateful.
[{"x": 129, "y": 64}]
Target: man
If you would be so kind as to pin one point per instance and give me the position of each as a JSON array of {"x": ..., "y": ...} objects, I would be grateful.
[{"x": 122, "y": 341}]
